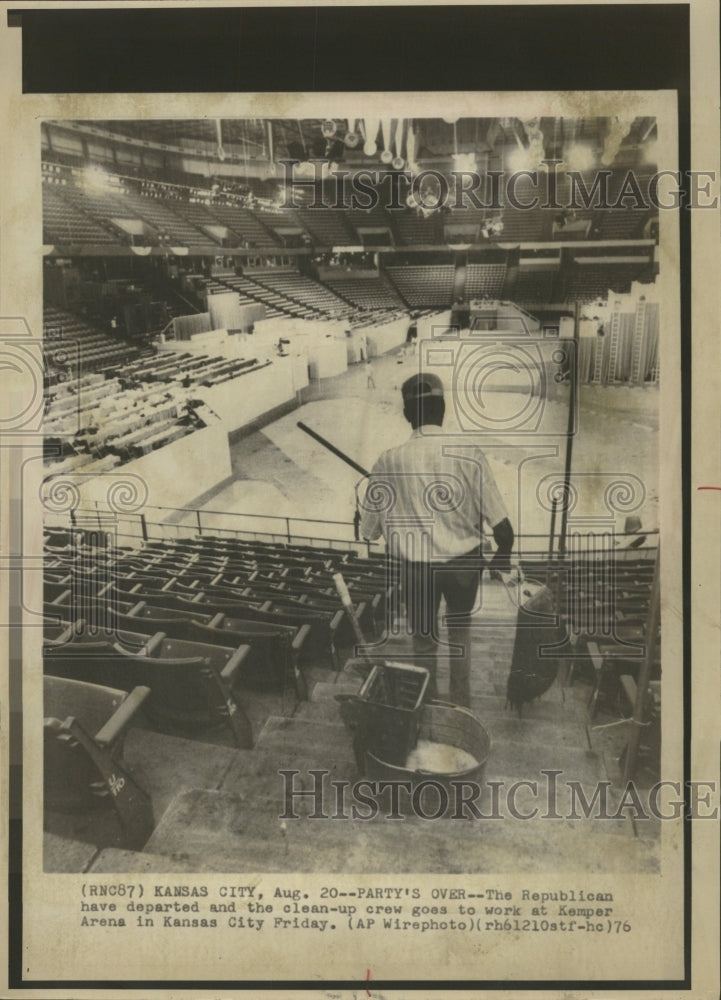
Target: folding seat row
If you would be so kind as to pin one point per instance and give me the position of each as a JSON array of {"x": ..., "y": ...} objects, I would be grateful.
[
  {"x": 189, "y": 567},
  {"x": 191, "y": 685},
  {"x": 251, "y": 580},
  {"x": 275, "y": 645},
  {"x": 326, "y": 628}
]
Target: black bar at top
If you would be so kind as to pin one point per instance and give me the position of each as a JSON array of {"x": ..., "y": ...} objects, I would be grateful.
[{"x": 381, "y": 48}]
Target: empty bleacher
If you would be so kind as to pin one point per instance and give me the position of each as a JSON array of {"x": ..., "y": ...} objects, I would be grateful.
[
  {"x": 413, "y": 229},
  {"x": 366, "y": 293},
  {"x": 277, "y": 306},
  {"x": 203, "y": 621},
  {"x": 103, "y": 421},
  {"x": 64, "y": 222},
  {"x": 624, "y": 225},
  {"x": 86, "y": 344},
  {"x": 171, "y": 227},
  {"x": 424, "y": 285},
  {"x": 586, "y": 282},
  {"x": 525, "y": 224},
  {"x": 485, "y": 279},
  {"x": 250, "y": 231},
  {"x": 305, "y": 292},
  {"x": 326, "y": 227},
  {"x": 534, "y": 284},
  {"x": 230, "y": 651},
  {"x": 199, "y": 216},
  {"x": 281, "y": 222}
]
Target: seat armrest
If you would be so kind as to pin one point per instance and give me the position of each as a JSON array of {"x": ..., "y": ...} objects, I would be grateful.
[
  {"x": 234, "y": 663},
  {"x": 596, "y": 655},
  {"x": 153, "y": 643},
  {"x": 122, "y": 717},
  {"x": 300, "y": 637}
]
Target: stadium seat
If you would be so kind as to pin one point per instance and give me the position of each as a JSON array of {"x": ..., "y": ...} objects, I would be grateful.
[
  {"x": 84, "y": 725},
  {"x": 188, "y": 693}
]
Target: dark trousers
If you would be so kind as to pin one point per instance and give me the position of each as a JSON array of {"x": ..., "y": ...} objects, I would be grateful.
[{"x": 423, "y": 585}]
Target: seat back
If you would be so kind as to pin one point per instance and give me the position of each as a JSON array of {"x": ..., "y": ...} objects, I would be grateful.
[
  {"x": 70, "y": 776},
  {"x": 91, "y": 704}
]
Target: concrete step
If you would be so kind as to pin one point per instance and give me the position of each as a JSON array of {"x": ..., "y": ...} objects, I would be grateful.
[
  {"x": 544, "y": 708},
  {"x": 509, "y": 728},
  {"x": 258, "y": 777},
  {"x": 222, "y": 832},
  {"x": 326, "y": 711},
  {"x": 345, "y": 685},
  {"x": 522, "y": 748},
  {"x": 140, "y": 862},
  {"x": 63, "y": 854},
  {"x": 325, "y": 741},
  {"x": 165, "y": 765},
  {"x": 95, "y": 828}
]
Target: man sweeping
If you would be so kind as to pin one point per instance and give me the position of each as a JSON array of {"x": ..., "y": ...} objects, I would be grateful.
[{"x": 429, "y": 498}]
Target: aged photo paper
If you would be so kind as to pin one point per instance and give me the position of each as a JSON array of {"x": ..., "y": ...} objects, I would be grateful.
[{"x": 343, "y": 467}]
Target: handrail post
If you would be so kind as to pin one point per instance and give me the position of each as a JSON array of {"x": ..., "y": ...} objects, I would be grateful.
[
  {"x": 287, "y": 529},
  {"x": 144, "y": 527},
  {"x": 551, "y": 539},
  {"x": 197, "y": 516},
  {"x": 572, "y": 404},
  {"x": 644, "y": 675}
]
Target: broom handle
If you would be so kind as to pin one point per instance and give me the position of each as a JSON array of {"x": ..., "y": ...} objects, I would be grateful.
[
  {"x": 332, "y": 448},
  {"x": 343, "y": 593}
]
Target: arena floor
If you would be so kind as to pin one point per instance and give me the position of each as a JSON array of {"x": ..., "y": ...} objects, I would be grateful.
[{"x": 283, "y": 472}]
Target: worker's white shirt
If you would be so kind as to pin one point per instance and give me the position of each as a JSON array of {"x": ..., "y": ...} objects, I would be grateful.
[{"x": 432, "y": 495}]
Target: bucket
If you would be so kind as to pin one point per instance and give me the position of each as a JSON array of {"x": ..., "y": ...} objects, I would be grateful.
[{"x": 446, "y": 728}]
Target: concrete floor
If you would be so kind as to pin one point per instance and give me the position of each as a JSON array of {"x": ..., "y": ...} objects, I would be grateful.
[{"x": 282, "y": 471}]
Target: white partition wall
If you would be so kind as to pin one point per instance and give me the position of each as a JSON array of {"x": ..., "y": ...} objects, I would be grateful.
[
  {"x": 173, "y": 476},
  {"x": 386, "y": 336},
  {"x": 224, "y": 309},
  {"x": 321, "y": 342},
  {"x": 434, "y": 325},
  {"x": 246, "y": 399}
]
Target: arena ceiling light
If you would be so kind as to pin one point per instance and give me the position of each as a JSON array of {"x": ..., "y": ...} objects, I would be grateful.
[
  {"x": 619, "y": 128},
  {"x": 96, "y": 179},
  {"x": 579, "y": 156},
  {"x": 649, "y": 153},
  {"x": 465, "y": 161},
  {"x": 520, "y": 158}
]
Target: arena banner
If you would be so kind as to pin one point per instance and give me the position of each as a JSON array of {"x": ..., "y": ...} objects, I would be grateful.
[{"x": 368, "y": 645}]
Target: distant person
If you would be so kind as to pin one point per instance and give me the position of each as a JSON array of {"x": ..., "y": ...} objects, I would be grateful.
[
  {"x": 370, "y": 380},
  {"x": 412, "y": 334}
]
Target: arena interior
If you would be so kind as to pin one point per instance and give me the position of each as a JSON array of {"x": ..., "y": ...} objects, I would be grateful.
[{"x": 195, "y": 642}]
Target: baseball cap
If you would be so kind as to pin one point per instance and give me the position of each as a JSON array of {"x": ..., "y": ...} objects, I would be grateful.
[{"x": 422, "y": 385}]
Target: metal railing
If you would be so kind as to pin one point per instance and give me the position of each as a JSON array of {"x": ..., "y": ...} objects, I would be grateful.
[{"x": 154, "y": 523}]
